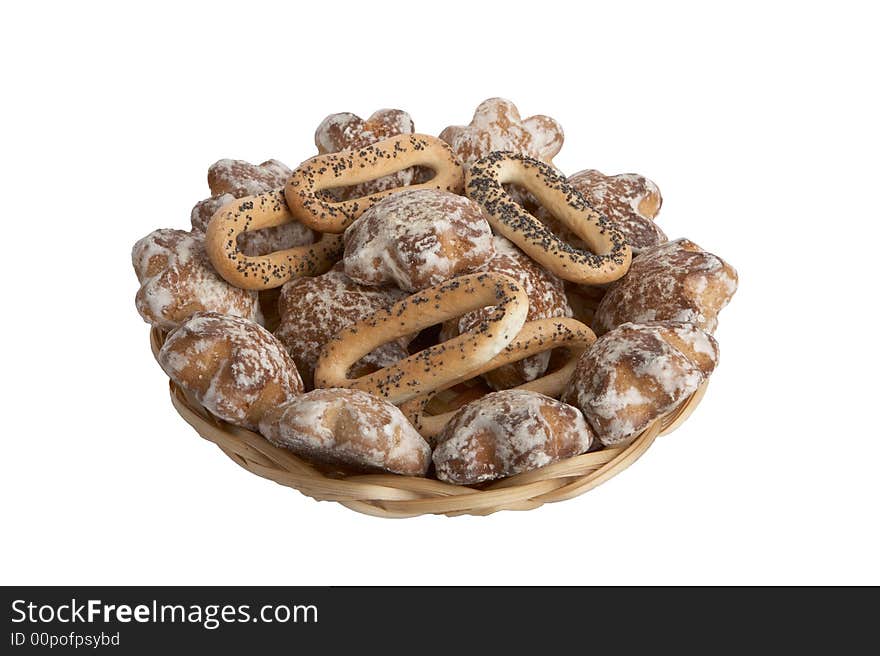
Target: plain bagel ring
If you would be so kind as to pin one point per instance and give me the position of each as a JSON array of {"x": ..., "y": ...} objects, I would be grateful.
[
  {"x": 434, "y": 367},
  {"x": 535, "y": 337},
  {"x": 333, "y": 170},
  {"x": 611, "y": 254},
  {"x": 265, "y": 271}
]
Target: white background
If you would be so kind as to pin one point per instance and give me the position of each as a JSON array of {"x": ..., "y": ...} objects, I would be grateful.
[{"x": 758, "y": 122}]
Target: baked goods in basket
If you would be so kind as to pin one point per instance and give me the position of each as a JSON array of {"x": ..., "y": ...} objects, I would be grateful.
[
  {"x": 234, "y": 367},
  {"x": 438, "y": 297},
  {"x": 349, "y": 428},
  {"x": 676, "y": 281},
  {"x": 547, "y": 300},
  {"x": 636, "y": 373},
  {"x": 506, "y": 433},
  {"x": 416, "y": 239},
  {"x": 177, "y": 280},
  {"x": 314, "y": 309}
]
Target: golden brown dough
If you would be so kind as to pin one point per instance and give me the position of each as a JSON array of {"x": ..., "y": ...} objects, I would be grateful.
[
  {"x": 313, "y": 310},
  {"x": 676, "y": 281},
  {"x": 506, "y": 433},
  {"x": 638, "y": 372},
  {"x": 348, "y": 428},
  {"x": 546, "y": 300},
  {"x": 234, "y": 367},
  {"x": 416, "y": 239},
  {"x": 440, "y": 365},
  {"x": 230, "y": 179},
  {"x": 347, "y": 132},
  {"x": 306, "y": 189},
  {"x": 177, "y": 280}
]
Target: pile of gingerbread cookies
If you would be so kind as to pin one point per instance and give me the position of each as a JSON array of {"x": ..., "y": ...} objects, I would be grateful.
[{"x": 430, "y": 306}]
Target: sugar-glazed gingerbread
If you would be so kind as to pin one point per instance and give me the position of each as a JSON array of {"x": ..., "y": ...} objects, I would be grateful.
[
  {"x": 234, "y": 367},
  {"x": 676, "y": 281},
  {"x": 177, "y": 280},
  {"x": 507, "y": 433},
  {"x": 629, "y": 201},
  {"x": 636, "y": 373},
  {"x": 497, "y": 125},
  {"x": 417, "y": 238},
  {"x": 348, "y": 428}
]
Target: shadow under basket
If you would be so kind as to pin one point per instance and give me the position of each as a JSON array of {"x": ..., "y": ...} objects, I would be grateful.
[{"x": 392, "y": 495}]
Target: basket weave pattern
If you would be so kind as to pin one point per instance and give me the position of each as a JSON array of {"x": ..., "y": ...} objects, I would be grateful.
[{"x": 390, "y": 495}]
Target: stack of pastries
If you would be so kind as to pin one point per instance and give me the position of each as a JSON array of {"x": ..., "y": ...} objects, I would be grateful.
[{"x": 451, "y": 306}]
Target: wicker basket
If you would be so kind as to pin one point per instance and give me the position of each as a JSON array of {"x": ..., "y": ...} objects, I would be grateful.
[{"x": 390, "y": 495}]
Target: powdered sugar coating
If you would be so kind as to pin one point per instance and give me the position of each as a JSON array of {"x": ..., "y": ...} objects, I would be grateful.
[
  {"x": 547, "y": 299},
  {"x": 178, "y": 280},
  {"x": 346, "y": 131},
  {"x": 416, "y": 239},
  {"x": 234, "y": 367},
  {"x": 629, "y": 201},
  {"x": 497, "y": 125},
  {"x": 638, "y": 372},
  {"x": 230, "y": 179},
  {"x": 506, "y": 433},
  {"x": 676, "y": 281},
  {"x": 314, "y": 309},
  {"x": 240, "y": 178},
  {"x": 350, "y": 428}
]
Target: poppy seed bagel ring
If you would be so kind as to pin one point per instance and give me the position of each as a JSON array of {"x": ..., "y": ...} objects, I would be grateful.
[
  {"x": 535, "y": 337},
  {"x": 347, "y": 168},
  {"x": 611, "y": 255},
  {"x": 264, "y": 210},
  {"x": 434, "y": 367}
]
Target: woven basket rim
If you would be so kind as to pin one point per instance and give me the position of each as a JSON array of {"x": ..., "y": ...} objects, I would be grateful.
[{"x": 396, "y": 496}]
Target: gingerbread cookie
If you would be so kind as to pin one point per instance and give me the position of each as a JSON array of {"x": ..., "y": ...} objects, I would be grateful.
[
  {"x": 349, "y": 428},
  {"x": 676, "y": 281},
  {"x": 629, "y": 201},
  {"x": 416, "y": 239},
  {"x": 506, "y": 433},
  {"x": 638, "y": 372},
  {"x": 178, "y": 280},
  {"x": 497, "y": 125},
  {"x": 234, "y": 367}
]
